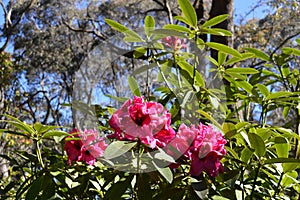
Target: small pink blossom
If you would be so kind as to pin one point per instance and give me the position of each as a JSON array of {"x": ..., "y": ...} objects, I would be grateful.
[
  {"x": 174, "y": 43},
  {"x": 147, "y": 122}
]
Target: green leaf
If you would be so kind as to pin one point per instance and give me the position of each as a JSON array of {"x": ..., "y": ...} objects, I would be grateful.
[
  {"x": 277, "y": 95},
  {"x": 149, "y": 24},
  {"x": 263, "y": 89},
  {"x": 190, "y": 69},
  {"x": 246, "y": 155},
  {"x": 259, "y": 54},
  {"x": 281, "y": 160},
  {"x": 216, "y": 20},
  {"x": 35, "y": 188},
  {"x": 176, "y": 27},
  {"x": 221, "y": 58},
  {"x": 200, "y": 188},
  {"x": 182, "y": 19},
  {"x": 289, "y": 50},
  {"x": 212, "y": 60},
  {"x": 168, "y": 32},
  {"x": 55, "y": 133},
  {"x": 282, "y": 147},
  {"x": 223, "y": 48},
  {"x": 235, "y": 59},
  {"x": 289, "y": 178},
  {"x": 165, "y": 172},
  {"x": 117, "y": 26},
  {"x": 229, "y": 129},
  {"x": 242, "y": 70},
  {"x": 119, "y": 99},
  {"x": 117, "y": 148},
  {"x": 19, "y": 124},
  {"x": 216, "y": 197},
  {"x": 162, "y": 155},
  {"x": 189, "y": 12},
  {"x": 134, "y": 86},
  {"x": 118, "y": 189},
  {"x": 245, "y": 85},
  {"x": 220, "y": 31},
  {"x": 144, "y": 68},
  {"x": 40, "y": 128},
  {"x": 209, "y": 117},
  {"x": 257, "y": 144},
  {"x": 131, "y": 36}
]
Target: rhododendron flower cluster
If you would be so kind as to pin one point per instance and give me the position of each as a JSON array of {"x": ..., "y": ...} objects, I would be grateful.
[
  {"x": 147, "y": 122},
  {"x": 174, "y": 43},
  {"x": 203, "y": 146},
  {"x": 86, "y": 148}
]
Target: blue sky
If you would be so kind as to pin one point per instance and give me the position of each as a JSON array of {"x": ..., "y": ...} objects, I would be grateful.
[{"x": 241, "y": 7}]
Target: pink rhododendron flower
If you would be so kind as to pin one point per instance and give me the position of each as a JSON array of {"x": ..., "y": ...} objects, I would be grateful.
[
  {"x": 147, "y": 122},
  {"x": 202, "y": 146},
  {"x": 181, "y": 144},
  {"x": 95, "y": 144},
  {"x": 87, "y": 148},
  {"x": 206, "y": 151},
  {"x": 174, "y": 43}
]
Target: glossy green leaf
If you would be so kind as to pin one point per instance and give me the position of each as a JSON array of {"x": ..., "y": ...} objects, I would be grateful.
[
  {"x": 216, "y": 31},
  {"x": 223, "y": 48},
  {"x": 246, "y": 155},
  {"x": 182, "y": 19},
  {"x": 200, "y": 188},
  {"x": 177, "y": 28},
  {"x": 131, "y": 36},
  {"x": 162, "y": 155},
  {"x": 168, "y": 32},
  {"x": 134, "y": 87},
  {"x": 229, "y": 129},
  {"x": 190, "y": 69},
  {"x": 119, "y": 188},
  {"x": 289, "y": 178},
  {"x": 257, "y": 144},
  {"x": 117, "y": 148},
  {"x": 259, "y": 54},
  {"x": 263, "y": 89},
  {"x": 19, "y": 124},
  {"x": 282, "y": 147},
  {"x": 289, "y": 50},
  {"x": 212, "y": 60},
  {"x": 281, "y": 160},
  {"x": 149, "y": 24},
  {"x": 119, "y": 99},
  {"x": 188, "y": 11},
  {"x": 209, "y": 117},
  {"x": 280, "y": 94},
  {"x": 234, "y": 60},
  {"x": 216, "y": 20},
  {"x": 55, "y": 133},
  {"x": 165, "y": 172},
  {"x": 242, "y": 70},
  {"x": 34, "y": 189},
  {"x": 245, "y": 85},
  {"x": 221, "y": 58},
  {"x": 143, "y": 68}
]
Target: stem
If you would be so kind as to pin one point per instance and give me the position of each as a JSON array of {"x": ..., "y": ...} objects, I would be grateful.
[
  {"x": 278, "y": 185},
  {"x": 39, "y": 155},
  {"x": 177, "y": 71},
  {"x": 254, "y": 181}
]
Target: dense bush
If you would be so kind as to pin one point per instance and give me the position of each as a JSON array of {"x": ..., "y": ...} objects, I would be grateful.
[{"x": 188, "y": 141}]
